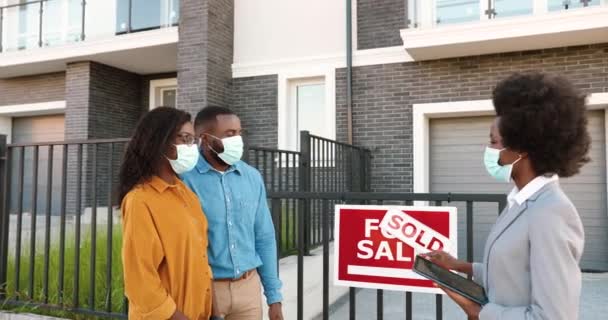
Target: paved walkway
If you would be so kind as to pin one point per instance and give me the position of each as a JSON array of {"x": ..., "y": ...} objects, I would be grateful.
[{"x": 594, "y": 303}]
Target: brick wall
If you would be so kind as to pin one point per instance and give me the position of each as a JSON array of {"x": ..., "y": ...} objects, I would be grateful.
[
  {"x": 379, "y": 23},
  {"x": 32, "y": 89},
  {"x": 384, "y": 94},
  {"x": 254, "y": 99},
  {"x": 220, "y": 50},
  {"x": 204, "y": 53},
  {"x": 101, "y": 102}
]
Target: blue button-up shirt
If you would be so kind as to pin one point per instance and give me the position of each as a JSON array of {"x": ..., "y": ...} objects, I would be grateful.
[{"x": 241, "y": 232}]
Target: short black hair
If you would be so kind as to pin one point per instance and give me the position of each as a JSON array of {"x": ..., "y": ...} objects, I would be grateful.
[
  {"x": 545, "y": 116},
  {"x": 148, "y": 146},
  {"x": 209, "y": 114}
]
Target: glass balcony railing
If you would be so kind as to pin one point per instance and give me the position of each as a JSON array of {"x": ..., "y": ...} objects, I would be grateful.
[
  {"x": 429, "y": 13},
  {"x": 46, "y": 23}
]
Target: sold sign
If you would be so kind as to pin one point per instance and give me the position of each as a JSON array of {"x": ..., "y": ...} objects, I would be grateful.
[
  {"x": 375, "y": 246},
  {"x": 414, "y": 233}
]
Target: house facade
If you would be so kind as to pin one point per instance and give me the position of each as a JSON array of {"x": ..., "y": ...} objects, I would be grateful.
[{"x": 409, "y": 79}]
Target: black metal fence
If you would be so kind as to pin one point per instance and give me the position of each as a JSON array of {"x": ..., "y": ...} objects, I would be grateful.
[
  {"x": 59, "y": 218},
  {"x": 60, "y": 240},
  {"x": 60, "y": 236},
  {"x": 321, "y": 165},
  {"x": 302, "y": 199}
]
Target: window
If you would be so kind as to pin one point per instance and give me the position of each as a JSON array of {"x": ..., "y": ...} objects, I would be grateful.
[
  {"x": 308, "y": 110},
  {"x": 457, "y": 11},
  {"x": 556, "y": 5},
  {"x": 510, "y": 8},
  {"x": 146, "y": 14},
  {"x": 163, "y": 92},
  {"x": 168, "y": 97}
]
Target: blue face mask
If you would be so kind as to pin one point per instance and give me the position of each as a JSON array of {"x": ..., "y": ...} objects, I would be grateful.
[{"x": 497, "y": 171}]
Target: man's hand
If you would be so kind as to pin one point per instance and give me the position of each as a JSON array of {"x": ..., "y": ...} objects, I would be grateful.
[
  {"x": 178, "y": 316},
  {"x": 275, "y": 311}
]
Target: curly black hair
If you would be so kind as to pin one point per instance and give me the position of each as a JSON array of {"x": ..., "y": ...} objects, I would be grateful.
[
  {"x": 148, "y": 146},
  {"x": 546, "y": 117}
]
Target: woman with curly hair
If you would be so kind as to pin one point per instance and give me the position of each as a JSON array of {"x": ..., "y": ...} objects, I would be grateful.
[
  {"x": 531, "y": 260},
  {"x": 164, "y": 251}
]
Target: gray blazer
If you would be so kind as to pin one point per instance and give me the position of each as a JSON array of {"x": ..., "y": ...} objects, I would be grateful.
[{"x": 531, "y": 262}]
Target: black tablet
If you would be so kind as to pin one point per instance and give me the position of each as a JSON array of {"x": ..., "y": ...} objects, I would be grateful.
[{"x": 450, "y": 280}]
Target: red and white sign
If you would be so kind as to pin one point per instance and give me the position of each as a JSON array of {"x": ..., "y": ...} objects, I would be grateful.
[{"x": 376, "y": 245}]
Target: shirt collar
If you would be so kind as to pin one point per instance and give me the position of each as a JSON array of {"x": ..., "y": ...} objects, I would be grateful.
[
  {"x": 519, "y": 197},
  {"x": 203, "y": 166},
  {"x": 161, "y": 185}
]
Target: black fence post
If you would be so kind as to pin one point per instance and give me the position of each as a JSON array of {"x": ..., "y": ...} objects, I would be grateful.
[
  {"x": 4, "y": 215},
  {"x": 363, "y": 170},
  {"x": 304, "y": 169}
]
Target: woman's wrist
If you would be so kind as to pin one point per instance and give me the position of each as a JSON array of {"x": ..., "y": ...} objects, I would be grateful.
[{"x": 464, "y": 267}]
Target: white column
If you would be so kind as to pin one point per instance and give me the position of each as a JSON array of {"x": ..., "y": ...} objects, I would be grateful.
[
  {"x": 6, "y": 127},
  {"x": 427, "y": 13},
  {"x": 541, "y": 7}
]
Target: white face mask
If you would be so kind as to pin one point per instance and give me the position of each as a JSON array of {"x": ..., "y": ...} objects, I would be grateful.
[
  {"x": 233, "y": 149},
  {"x": 499, "y": 172},
  {"x": 187, "y": 157}
]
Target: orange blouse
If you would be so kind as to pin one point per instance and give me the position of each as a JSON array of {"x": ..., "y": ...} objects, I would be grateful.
[{"x": 164, "y": 252}]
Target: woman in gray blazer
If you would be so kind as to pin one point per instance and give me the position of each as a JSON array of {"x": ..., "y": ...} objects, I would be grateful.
[{"x": 531, "y": 260}]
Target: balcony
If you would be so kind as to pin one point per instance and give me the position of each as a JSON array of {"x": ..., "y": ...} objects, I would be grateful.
[
  {"x": 47, "y": 33},
  {"x": 453, "y": 28}
]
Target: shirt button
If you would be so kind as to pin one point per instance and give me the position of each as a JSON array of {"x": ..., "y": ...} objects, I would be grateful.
[
  {"x": 238, "y": 271},
  {"x": 233, "y": 246}
]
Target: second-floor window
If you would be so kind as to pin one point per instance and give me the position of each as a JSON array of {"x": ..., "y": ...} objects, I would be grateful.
[{"x": 146, "y": 14}]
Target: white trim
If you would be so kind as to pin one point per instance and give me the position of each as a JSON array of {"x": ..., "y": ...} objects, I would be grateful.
[
  {"x": 159, "y": 84},
  {"x": 540, "y": 7},
  {"x": 354, "y": 25},
  {"x": 285, "y": 80},
  {"x": 302, "y": 65},
  {"x": 33, "y": 109},
  {"x": 554, "y": 29},
  {"x": 6, "y": 128},
  {"x": 91, "y": 47},
  {"x": 423, "y": 112},
  {"x": 384, "y": 272}
]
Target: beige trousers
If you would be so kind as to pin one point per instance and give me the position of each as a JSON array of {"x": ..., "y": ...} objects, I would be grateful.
[{"x": 238, "y": 300}]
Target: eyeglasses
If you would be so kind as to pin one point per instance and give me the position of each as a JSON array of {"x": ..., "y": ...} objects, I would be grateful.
[{"x": 187, "y": 138}]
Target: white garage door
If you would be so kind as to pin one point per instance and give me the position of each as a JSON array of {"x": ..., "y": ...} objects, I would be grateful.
[
  {"x": 32, "y": 130},
  {"x": 456, "y": 165},
  {"x": 38, "y": 129}
]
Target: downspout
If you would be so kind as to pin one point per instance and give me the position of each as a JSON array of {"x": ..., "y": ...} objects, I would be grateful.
[{"x": 349, "y": 71}]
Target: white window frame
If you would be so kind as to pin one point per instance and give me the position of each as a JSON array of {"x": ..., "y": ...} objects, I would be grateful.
[
  {"x": 294, "y": 119},
  {"x": 158, "y": 86},
  {"x": 286, "y": 103}
]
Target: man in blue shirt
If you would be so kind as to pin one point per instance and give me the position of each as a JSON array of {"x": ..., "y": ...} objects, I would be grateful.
[{"x": 242, "y": 246}]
